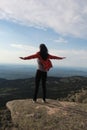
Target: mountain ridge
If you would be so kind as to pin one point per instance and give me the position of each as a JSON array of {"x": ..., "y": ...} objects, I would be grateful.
[{"x": 59, "y": 90}]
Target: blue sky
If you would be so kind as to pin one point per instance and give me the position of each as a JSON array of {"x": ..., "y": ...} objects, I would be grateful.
[{"x": 61, "y": 25}]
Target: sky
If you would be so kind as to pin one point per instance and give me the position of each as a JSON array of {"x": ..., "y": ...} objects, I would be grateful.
[{"x": 60, "y": 24}]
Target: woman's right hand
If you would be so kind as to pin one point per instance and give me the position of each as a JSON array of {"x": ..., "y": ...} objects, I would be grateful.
[{"x": 21, "y": 58}]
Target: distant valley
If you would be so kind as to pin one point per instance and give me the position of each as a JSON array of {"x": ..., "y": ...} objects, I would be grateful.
[
  {"x": 28, "y": 71},
  {"x": 66, "y": 88}
]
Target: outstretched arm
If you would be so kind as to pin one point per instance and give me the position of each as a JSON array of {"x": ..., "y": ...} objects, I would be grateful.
[
  {"x": 29, "y": 57},
  {"x": 56, "y": 57}
]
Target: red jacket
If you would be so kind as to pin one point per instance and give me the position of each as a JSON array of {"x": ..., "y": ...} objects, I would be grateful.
[{"x": 46, "y": 63}]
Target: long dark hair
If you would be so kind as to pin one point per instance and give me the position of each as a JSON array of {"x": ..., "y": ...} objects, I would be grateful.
[{"x": 43, "y": 51}]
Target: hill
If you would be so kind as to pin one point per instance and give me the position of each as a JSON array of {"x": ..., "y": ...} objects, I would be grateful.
[
  {"x": 69, "y": 88},
  {"x": 59, "y": 90}
]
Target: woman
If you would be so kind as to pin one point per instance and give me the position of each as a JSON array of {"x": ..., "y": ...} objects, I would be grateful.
[{"x": 44, "y": 64}]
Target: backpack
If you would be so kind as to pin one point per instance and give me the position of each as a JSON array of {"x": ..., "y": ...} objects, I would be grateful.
[{"x": 47, "y": 64}]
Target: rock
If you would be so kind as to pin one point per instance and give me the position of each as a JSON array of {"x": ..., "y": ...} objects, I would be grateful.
[{"x": 47, "y": 116}]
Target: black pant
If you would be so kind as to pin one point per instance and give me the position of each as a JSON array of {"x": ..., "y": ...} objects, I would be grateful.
[{"x": 40, "y": 76}]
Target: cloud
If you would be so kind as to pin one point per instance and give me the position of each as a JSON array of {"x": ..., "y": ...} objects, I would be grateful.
[
  {"x": 60, "y": 40},
  {"x": 71, "y": 55},
  {"x": 12, "y": 56},
  {"x": 65, "y": 17},
  {"x": 24, "y": 47},
  {"x": 74, "y": 58}
]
